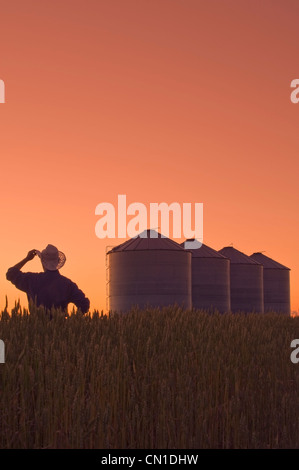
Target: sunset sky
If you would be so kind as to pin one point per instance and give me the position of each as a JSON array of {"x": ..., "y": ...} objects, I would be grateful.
[{"x": 160, "y": 100}]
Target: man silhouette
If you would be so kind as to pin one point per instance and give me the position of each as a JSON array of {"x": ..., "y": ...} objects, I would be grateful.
[{"x": 48, "y": 288}]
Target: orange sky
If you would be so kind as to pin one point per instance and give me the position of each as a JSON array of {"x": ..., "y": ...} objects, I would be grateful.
[{"x": 161, "y": 100}]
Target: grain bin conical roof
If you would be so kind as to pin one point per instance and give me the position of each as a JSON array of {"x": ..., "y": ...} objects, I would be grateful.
[
  {"x": 148, "y": 240},
  {"x": 267, "y": 262},
  {"x": 236, "y": 256},
  {"x": 202, "y": 250}
]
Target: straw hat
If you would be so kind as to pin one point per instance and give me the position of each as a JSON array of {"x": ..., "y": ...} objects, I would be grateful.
[{"x": 51, "y": 258}]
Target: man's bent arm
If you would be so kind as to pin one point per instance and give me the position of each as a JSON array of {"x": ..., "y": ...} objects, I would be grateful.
[
  {"x": 78, "y": 298},
  {"x": 31, "y": 254}
]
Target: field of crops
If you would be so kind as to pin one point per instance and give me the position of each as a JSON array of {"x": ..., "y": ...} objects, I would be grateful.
[{"x": 152, "y": 379}]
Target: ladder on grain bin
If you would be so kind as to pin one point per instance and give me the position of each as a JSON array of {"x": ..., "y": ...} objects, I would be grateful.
[{"x": 108, "y": 248}]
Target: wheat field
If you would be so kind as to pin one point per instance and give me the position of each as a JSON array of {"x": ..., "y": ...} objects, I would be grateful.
[{"x": 153, "y": 379}]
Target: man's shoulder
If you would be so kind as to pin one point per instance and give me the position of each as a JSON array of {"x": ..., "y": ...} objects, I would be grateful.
[
  {"x": 65, "y": 279},
  {"x": 16, "y": 271},
  {"x": 19, "y": 278}
]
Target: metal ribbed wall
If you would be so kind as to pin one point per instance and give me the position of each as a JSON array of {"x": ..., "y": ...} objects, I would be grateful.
[
  {"x": 246, "y": 281},
  {"x": 210, "y": 278},
  {"x": 149, "y": 272},
  {"x": 276, "y": 284}
]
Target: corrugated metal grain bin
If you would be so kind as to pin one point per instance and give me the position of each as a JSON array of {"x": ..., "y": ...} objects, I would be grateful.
[
  {"x": 153, "y": 271},
  {"x": 276, "y": 284},
  {"x": 246, "y": 281},
  {"x": 210, "y": 278}
]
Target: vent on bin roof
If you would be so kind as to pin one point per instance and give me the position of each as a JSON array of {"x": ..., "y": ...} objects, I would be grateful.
[
  {"x": 201, "y": 250},
  {"x": 148, "y": 240},
  {"x": 267, "y": 262},
  {"x": 236, "y": 256}
]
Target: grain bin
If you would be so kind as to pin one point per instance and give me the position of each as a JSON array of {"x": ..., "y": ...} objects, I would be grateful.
[
  {"x": 149, "y": 270},
  {"x": 210, "y": 278},
  {"x": 246, "y": 281},
  {"x": 276, "y": 284}
]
